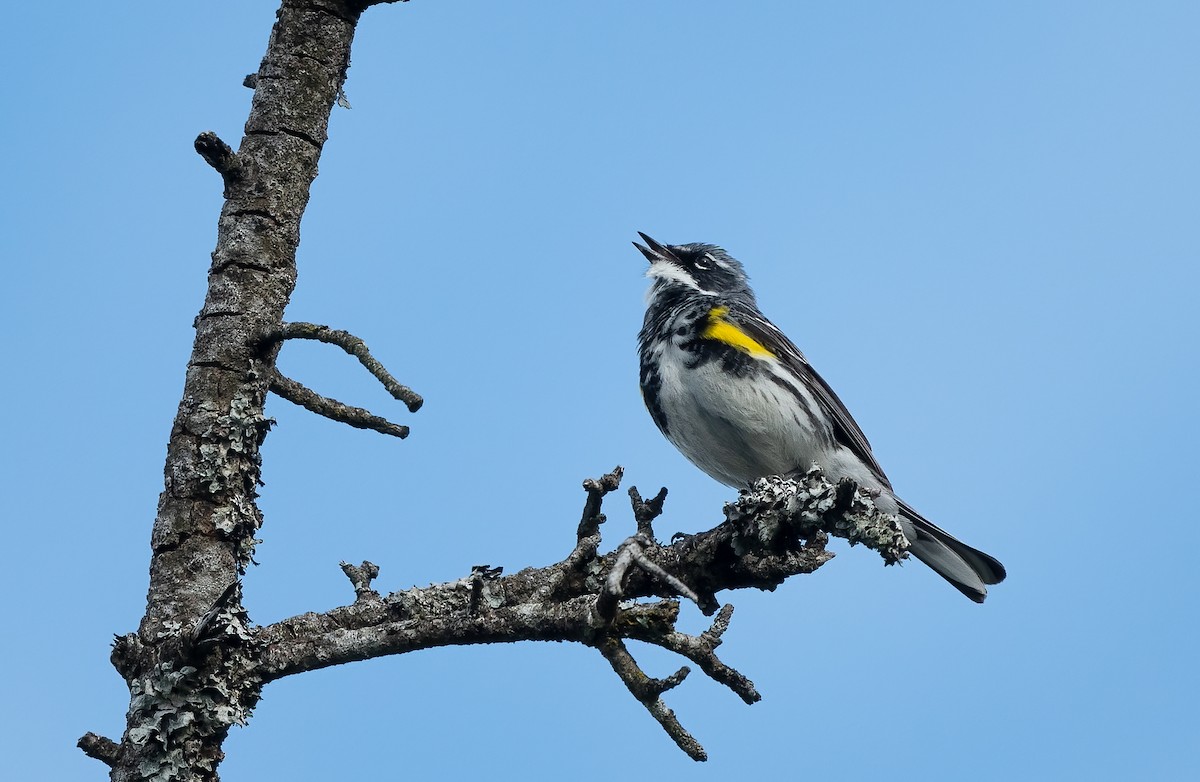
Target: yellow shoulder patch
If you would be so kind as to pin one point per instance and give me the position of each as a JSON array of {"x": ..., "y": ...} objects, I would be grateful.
[{"x": 722, "y": 330}]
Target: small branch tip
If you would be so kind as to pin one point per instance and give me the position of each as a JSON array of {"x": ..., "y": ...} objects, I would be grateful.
[
  {"x": 596, "y": 488},
  {"x": 647, "y": 691},
  {"x": 219, "y": 155},
  {"x": 361, "y": 577},
  {"x": 103, "y": 749},
  {"x": 299, "y": 394},
  {"x": 646, "y": 511}
]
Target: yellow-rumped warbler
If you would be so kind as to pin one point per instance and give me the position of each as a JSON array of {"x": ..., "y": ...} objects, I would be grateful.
[{"x": 739, "y": 400}]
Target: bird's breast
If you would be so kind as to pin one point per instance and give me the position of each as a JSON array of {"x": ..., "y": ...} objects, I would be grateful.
[{"x": 736, "y": 416}]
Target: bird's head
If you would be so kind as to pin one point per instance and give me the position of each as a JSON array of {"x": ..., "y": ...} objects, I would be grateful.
[{"x": 693, "y": 268}]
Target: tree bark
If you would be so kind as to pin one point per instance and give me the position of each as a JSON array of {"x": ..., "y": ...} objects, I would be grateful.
[{"x": 204, "y": 532}]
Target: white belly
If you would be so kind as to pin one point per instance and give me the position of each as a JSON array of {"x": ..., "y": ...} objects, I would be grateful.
[{"x": 737, "y": 429}]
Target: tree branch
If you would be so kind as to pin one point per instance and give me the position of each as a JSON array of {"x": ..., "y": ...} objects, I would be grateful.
[
  {"x": 776, "y": 529},
  {"x": 701, "y": 650},
  {"x": 646, "y": 511},
  {"x": 596, "y": 489},
  {"x": 355, "y": 347},
  {"x": 100, "y": 748},
  {"x": 647, "y": 691},
  {"x": 361, "y": 577},
  {"x": 630, "y": 553},
  {"x": 310, "y": 400},
  {"x": 220, "y": 156}
]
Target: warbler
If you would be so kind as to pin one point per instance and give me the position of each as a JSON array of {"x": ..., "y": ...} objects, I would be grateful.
[{"x": 740, "y": 401}]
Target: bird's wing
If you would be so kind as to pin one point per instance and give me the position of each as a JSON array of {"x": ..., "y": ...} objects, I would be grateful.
[{"x": 845, "y": 428}]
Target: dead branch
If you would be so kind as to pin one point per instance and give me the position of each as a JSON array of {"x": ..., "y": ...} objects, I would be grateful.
[
  {"x": 775, "y": 530},
  {"x": 647, "y": 691},
  {"x": 361, "y": 577},
  {"x": 355, "y": 347},
  {"x": 98, "y": 747},
  {"x": 299, "y": 394}
]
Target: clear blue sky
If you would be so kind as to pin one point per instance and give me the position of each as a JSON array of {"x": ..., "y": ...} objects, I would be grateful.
[{"x": 979, "y": 220}]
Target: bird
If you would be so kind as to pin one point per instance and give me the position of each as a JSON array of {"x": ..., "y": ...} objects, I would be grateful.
[{"x": 741, "y": 402}]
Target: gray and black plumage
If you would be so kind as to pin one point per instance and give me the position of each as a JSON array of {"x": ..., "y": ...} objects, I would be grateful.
[{"x": 740, "y": 401}]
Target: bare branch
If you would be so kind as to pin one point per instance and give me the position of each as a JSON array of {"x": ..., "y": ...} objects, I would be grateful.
[
  {"x": 701, "y": 650},
  {"x": 674, "y": 583},
  {"x": 592, "y": 518},
  {"x": 98, "y": 747},
  {"x": 647, "y": 692},
  {"x": 558, "y": 602},
  {"x": 587, "y": 535},
  {"x": 219, "y": 155},
  {"x": 634, "y": 552},
  {"x": 655, "y": 624},
  {"x": 310, "y": 400},
  {"x": 646, "y": 511},
  {"x": 775, "y": 530},
  {"x": 361, "y": 577},
  {"x": 355, "y": 347},
  {"x": 614, "y": 585}
]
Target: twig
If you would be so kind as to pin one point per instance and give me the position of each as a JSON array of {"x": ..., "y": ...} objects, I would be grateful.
[
  {"x": 219, "y": 155},
  {"x": 361, "y": 577},
  {"x": 647, "y": 691},
  {"x": 587, "y": 534},
  {"x": 701, "y": 649},
  {"x": 655, "y": 624},
  {"x": 357, "y": 348},
  {"x": 596, "y": 488},
  {"x": 310, "y": 400},
  {"x": 633, "y": 552},
  {"x": 682, "y": 589},
  {"x": 646, "y": 511},
  {"x": 98, "y": 747},
  {"x": 605, "y": 607}
]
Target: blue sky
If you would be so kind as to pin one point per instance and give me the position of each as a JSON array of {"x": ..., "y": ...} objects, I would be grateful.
[{"x": 979, "y": 220}]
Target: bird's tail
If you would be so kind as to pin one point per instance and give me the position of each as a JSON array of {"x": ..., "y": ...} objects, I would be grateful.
[{"x": 968, "y": 569}]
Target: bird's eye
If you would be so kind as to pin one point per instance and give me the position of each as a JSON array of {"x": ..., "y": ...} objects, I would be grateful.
[{"x": 701, "y": 263}]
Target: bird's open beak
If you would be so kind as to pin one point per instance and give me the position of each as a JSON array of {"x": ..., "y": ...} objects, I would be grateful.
[{"x": 654, "y": 251}]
